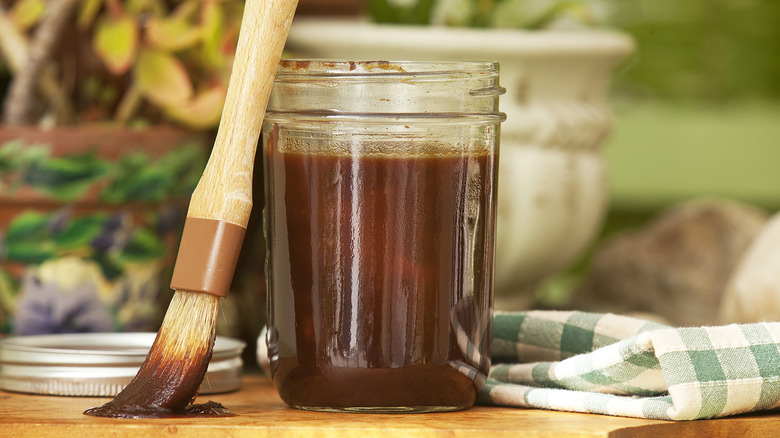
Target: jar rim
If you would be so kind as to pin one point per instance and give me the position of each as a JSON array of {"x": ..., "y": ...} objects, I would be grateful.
[
  {"x": 385, "y": 118},
  {"x": 342, "y": 68}
]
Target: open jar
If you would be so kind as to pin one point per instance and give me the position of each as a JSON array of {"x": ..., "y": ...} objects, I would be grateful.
[{"x": 380, "y": 182}]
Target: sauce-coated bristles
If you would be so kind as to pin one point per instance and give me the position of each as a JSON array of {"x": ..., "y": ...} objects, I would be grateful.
[{"x": 176, "y": 364}]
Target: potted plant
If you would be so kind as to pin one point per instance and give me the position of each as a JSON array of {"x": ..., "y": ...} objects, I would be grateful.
[
  {"x": 556, "y": 64},
  {"x": 108, "y": 108}
]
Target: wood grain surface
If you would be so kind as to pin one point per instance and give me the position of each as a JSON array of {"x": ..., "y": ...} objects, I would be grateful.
[{"x": 260, "y": 413}]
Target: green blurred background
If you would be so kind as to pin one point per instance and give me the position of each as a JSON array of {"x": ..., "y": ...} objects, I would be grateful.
[
  {"x": 697, "y": 113},
  {"x": 698, "y": 106}
]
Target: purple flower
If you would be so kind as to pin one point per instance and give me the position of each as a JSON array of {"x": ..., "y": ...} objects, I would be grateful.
[
  {"x": 44, "y": 307},
  {"x": 59, "y": 220},
  {"x": 115, "y": 233}
]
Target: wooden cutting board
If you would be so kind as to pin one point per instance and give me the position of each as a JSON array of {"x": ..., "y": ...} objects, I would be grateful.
[{"x": 262, "y": 414}]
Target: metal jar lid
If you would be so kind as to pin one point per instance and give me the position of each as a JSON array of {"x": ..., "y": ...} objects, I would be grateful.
[{"x": 99, "y": 364}]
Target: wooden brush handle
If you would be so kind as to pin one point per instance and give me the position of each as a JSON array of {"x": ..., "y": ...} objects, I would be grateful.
[{"x": 225, "y": 189}]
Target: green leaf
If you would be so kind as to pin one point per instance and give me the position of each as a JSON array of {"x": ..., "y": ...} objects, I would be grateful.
[
  {"x": 137, "y": 179},
  {"x": 138, "y": 7},
  {"x": 212, "y": 28},
  {"x": 87, "y": 13},
  {"x": 116, "y": 43},
  {"x": 172, "y": 34},
  {"x": 27, "y": 13},
  {"x": 66, "y": 178},
  {"x": 185, "y": 159},
  {"x": 385, "y": 11},
  {"x": 9, "y": 290},
  {"x": 186, "y": 164},
  {"x": 109, "y": 269},
  {"x": 162, "y": 78},
  {"x": 17, "y": 156},
  {"x": 143, "y": 246},
  {"x": 148, "y": 185},
  {"x": 202, "y": 112},
  {"x": 80, "y": 232},
  {"x": 9, "y": 156},
  {"x": 173, "y": 175},
  {"x": 27, "y": 238},
  {"x": 28, "y": 226},
  {"x": 31, "y": 253},
  {"x": 125, "y": 171}
]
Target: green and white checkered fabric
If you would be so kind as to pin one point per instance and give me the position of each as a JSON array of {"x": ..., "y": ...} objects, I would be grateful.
[{"x": 617, "y": 365}]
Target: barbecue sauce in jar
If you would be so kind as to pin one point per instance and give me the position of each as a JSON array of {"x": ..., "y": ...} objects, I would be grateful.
[{"x": 380, "y": 260}]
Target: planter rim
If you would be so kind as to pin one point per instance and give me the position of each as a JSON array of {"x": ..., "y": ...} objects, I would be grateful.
[
  {"x": 113, "y": 140},
  {"x": 101, "y": 128},
  {"x": 361, "y": 34}
]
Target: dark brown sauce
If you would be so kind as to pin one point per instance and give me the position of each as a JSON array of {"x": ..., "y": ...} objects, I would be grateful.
[
  {"x": 203, "y": 410},
  {"x": 168, "y": 380},
  {"x": 377, "y": 265}
]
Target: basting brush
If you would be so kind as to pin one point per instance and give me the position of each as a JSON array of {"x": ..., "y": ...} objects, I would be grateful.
[{"x": 217, "y": 217}]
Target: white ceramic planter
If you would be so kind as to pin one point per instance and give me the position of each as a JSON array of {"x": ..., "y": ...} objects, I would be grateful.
[{"x": 553, "y": 183}]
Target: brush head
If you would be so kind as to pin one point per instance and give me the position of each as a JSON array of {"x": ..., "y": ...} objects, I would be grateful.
[{"x": 169, "y": 378}]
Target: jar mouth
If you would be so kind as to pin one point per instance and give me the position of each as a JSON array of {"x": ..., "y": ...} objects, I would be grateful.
[
  {"x": 385, "y": 87},
  {"x": 337, "y": 68},
  {"x": 386, "y": 118}
]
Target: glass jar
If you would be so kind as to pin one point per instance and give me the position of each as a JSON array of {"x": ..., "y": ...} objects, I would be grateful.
[{"x": 380, "y": 182}]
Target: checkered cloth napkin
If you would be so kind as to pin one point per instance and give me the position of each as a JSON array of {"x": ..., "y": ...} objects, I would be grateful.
[{"x": 617, "y": 365}]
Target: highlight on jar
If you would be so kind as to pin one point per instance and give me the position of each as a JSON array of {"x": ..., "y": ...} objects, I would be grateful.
[{"x": 379, "y": 219}]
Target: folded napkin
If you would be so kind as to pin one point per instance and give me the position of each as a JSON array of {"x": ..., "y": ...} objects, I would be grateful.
[{"x": 617, "y": 365}]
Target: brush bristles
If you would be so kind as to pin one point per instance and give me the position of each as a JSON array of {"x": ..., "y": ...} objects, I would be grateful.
[
  {"x": 188, "y": 328},
  {"x": 176, "y": 364}
]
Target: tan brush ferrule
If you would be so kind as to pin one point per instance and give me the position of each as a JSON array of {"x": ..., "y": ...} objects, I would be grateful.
[{"x": 208, "y": 255}]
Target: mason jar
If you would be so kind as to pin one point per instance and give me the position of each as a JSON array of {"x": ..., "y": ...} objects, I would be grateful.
[{"x": 380, "y": 206}]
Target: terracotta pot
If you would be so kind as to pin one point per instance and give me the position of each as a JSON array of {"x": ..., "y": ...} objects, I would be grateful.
[{"x": 90, "y": 219}]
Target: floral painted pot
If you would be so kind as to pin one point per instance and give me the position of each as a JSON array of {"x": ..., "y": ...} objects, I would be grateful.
[
  {"x": 552, "y": 178},
  {"x": 90, "y": 219}
]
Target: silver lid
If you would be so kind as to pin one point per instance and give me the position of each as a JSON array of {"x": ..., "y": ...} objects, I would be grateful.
[{"x": 99, "y": 364}]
